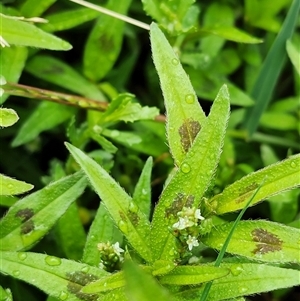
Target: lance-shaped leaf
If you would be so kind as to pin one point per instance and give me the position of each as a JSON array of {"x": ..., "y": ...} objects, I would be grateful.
[
  {"x": 185, "y": 117},
  {"x": 21, "y": 33},
  {"x": 126, "y": 214},
  {"x": 293, "y": 53},
  {"x": 193, "y": 177},
  {"x": 60, "y": 278},
  {"x": 9, "y": 186},
  {"x": 277, "y": 177},
  {"x": 191, "y": 275},
  {"x": 245, "y": 279},
  {"x": 31, "y": 218},
  {"x": 261, "y": 240}
]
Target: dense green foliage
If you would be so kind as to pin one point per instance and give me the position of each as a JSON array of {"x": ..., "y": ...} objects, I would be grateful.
[{"x": 126, "y": 156}]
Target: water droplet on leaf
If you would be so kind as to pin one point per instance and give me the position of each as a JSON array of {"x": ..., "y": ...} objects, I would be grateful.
[
  {"x": 52, "y": 260},
  {"x": 175, "y": 62},
  {"x": 133, "y": 207},
  {"x": 190, "y": 99},
  {"x": 123, "y": 227},
  {"x": 16, "y": 273},
  {"x": 63, "y": 296},
  {"x": 22, "y": 256},
  {"x": 293, "y": 164},
  {"x": 85, "y": 269},
  {"x": 185, "y": 168},
  {"x": 236, "y": 270}
]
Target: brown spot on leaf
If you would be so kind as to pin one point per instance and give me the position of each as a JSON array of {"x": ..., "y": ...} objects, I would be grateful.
[
  {"x": 122, "y": 216},
  {"x": 25, "y": 214},
  {"x": 79, "y": 279},
  {"x": 134, "y": 218},
  {"x": 245, "y": 193},
  {"x": 266, "y": 241},
  {"x": 106, "y": 43},
  {"x": 188, "y": 132},
  {"x": 27, "y": 227},
  {"x": 179, "y": 202}
]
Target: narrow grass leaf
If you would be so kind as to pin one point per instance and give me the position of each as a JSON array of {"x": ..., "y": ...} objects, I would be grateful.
[
  {"x": 32, "y": 217},
  {"x": 260, "y": 240},
  {"x": 191, "y": 180},
  {"x": 126, "y": 214},
  {"x": 9, "y": 186},
  {"x": 8, "y": 117},
  {"x": 60, "y": 278},
  {"x": 281, "y": 176},
  {"x": 22, "y": 33},
  {"x": 34, "y": 8},
  {"x": 294, "y": 55},
  {"x": 185, "y": 115},
  {"x": 270, "y": 70}
]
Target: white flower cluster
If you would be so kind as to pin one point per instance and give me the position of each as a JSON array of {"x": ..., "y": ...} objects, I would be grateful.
[
  {"x": 188, "y": 217},
  {"x": 110, "y": 255}
]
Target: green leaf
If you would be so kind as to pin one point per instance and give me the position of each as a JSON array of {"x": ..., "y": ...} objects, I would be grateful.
[
  {"x": 104, "y": 42},
  {"x": 245, "y": 279},
  {"x": 60, "y": 278},
  {"x": 270, "y": 70},
  {"x": 33, "y": 216},
  {"x": 8, "y": 200},
  {"x": 122, "y": 108},
  {"x": 192, "y": 178},
  {"x": 258, "y": 240},
  {"x": 9, "y": 186},
  {"x": 192, "y": 275},
  {"x": 185, "y": 116},
  {"x": 126, "y": 214},
  {"x": 142, "y": 192},
  {"x": 294, "y": 54},
  {"x": 58, "y": 72},
  {"x": 5, "y": 294},
  {"x": 46, "y": 116},
  {"x": 22, "y": 33},
  {"x": 141, "y": 286},
  {"x": 287, "y": 121},
  {"x": 278, "y": 177},
  {"x": 102, "y": 229},
  {"x": 33, "y": 8},
  {"x": 8, "y": 117},
  {"x": 12, "y": 63}
]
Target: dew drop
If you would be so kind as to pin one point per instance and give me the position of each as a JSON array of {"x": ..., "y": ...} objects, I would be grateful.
[
  {"x": 52, "y": 260},
  {"x": 171, "y": 129},
  {"x": 85, "y": 269},
  {"x": 63, "y": 295},
  {"x": 22, "y": 256},
  {"x": 175, "y": 62},
  {"x": 190, "y": 98},
  {"x": 133, "y": 207},
  {"x": 123, "y": 227},
  {"x": 293, "y": 164},
  {"x": 16, "y": 273},
  {"x": 144, "y": 191},
  {"x": 243, "y": 290},
  {"x": 236, "y": 270},
  {"x": 171, "y": 253},
  {"x": 185, "y": 168},
  {"x": 10, "y": 186}
]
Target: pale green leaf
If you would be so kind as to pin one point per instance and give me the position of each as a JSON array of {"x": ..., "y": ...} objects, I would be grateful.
[
  {"x": 126, "y": 214},
  {"x": 9, "y": 186},
  {"x": 60, "y": 278},
  {"x": 33, "y": 8},
  {"x": 192, "y": 178},
  {"x": 278, "y": 177},
  {"x": 258, "y": 240},
  {"x": 28, "y": 220},
  {"x": 294, "y": 55},
  {"x": 22, "y": 33},
  {"x": 5, "y": 294},
  {"x": 8, "y": 117},
  {"x": 185, "y": 116}
]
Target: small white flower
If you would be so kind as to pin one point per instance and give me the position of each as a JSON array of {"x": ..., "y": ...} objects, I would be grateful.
[
  {"x": 117, "y": 248},
  {"x": 3, "y": 43},
  {"x": 192, "y": 242},
  {"x": 198, "y": 215},
  {"x": 183, "y": 223}
]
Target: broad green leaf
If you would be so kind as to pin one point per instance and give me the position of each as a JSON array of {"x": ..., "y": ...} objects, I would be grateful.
[
  {"x": 102, "y": 229},
  {"x": 12, "y": 63},
  {"x": 8, "y": 117},
  {"x": 193, "y": 177},
  {"x": 104, "y": 42},
  {"x": 192, "y": 275},
  {"x": 143, "y": 287},
  {"x": 270, "y": 70},
  {"x": 46, "y": 116},
  {"x": 58, "y": 72},
  {"x": 258, "y": 240},
  {"x": 172, "y": 15},
  {"x": 122, "y": 108},
  {"x": 33, "y": 216},
  {"x": 60, "y": 278},
  {"x": 142, "y": 192},
  {"x": 126, "y": 214},
  {"x": 231, "y": 33},
  {"x": 22, "y": 33},
  {"x": 245, "y": 279},
  {"x": 278, "y": 177},
  {"x": 294, "y": 55},
  {"x": 185, "y": 116},
  {"x": 34, "y": 8},
  {"x": 9, "y": 186},
  {"x": 64, "y": 20},
  {"x": 70, "y": 223}
]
